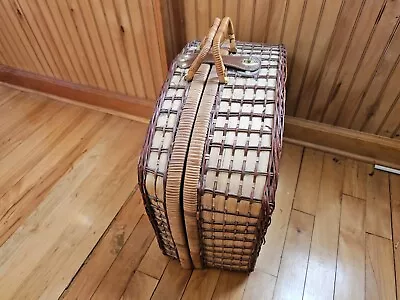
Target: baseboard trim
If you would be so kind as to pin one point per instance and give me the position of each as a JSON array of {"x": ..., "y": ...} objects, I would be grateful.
[
  {"x": 143, "y": 108},
  {"x": 346, "y": 142}
]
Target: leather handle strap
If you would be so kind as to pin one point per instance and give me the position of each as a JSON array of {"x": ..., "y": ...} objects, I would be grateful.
[
  {"x": 225, "y": 31},
  {"x": 206, "y": 44}
]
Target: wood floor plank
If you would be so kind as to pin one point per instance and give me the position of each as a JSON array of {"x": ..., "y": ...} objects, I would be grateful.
[
  {"x": 113, "y": 284},
  {"x": 259, "y": 285},
  {"x": 293, "y": 268},
  {"x": 306, "y": 197},
  {"x": 68, "y": 223},
  {"x": 395, "y": 205},
  {"x": 378, "y": 220},
  {"x": 172, "y": 283},
  {"x": 26, "y": 127},
  {"x": 20, "y": 107},
  {"x": 230, "y": 285},
  {"x": 17, "y": 163},
  {"x": 140, "y": 287},
  {"x": 201, "y": 284},
  {"x": 270, "y": 254},
  {"x": 355, "y": 178},
  {"x": 322, "y": 263},
  {"x": 154, "y": 262},
  {"x": 6, "y": 94},
  {"x": 25, "y": 194},
  {"x": 99, "y": 262},
  {"x": 350, "y": 273},
  {"x": 380, "y": 277},
  {"x": 59, "y": 278}
]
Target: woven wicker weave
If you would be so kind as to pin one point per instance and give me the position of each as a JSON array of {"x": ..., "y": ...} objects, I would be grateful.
[{"x": 209, "y": 167}]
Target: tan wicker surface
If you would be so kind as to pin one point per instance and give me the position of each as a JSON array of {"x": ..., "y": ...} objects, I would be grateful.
[{"x": 209, "y": 168}]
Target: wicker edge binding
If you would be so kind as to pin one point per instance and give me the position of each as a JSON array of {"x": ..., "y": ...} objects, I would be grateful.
[
  {"x": 144, "y": 156},
  {"x": 177, "y": 163},
  {"x": 194, "y": 161}
]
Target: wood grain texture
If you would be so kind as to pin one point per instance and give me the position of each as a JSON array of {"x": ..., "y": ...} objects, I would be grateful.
[
  {"x": 173, "y": 282},
  {"x": 140, "y": 287},
  {"x": 380, "y": 276},
  {"x": 355, "y": 178},
  {"x": 293, "y": 269},
  {"x": 85, "y": 94},
  {"x": 306, "y": 197},
  {"x": 350, "y": 279},
  {"x": 107, "y": 250},
  {"x": 202, "y": 284},
  {"x": 231, "y": 285},
  {"x": 395, "y": 205},
  {"x": 320, "y": 279},
  {"x": 260, "y": 285},
  {"x": 60, "y": 205},
  {"x": 271, "y": 253},
  {"x": 378, "y": 220},
  {"x": 342, "y": 55},
  {"x": 113, "y": 45},
  {"x": 67, "y": 191}
]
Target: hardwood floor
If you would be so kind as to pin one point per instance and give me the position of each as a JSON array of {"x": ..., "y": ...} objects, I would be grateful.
[{"x": 72, "y": 224}]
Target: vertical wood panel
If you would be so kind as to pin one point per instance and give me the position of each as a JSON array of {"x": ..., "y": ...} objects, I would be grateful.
[
  {"x": 116, "y": 45},
  {"x": 342, "y": 55}
]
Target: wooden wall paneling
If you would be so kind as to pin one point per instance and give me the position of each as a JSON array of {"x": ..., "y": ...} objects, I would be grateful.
[
  {"x": 294, "y": 20},
  {"x": 73, "y": 17},
  {"x": 173, "y": 18},
  {"x": 157, "y": 51},
  {"x": 117, "y": 31},
  {"x": 20, "y": 57},
  {"x": 246, "y": 20},
  {"x": 125, "y": 43},
  {"x": 262, "y": 11},
  {"x": 33, "y": 40},
  {"x": 82, "y": 9},
  {"x": 203, "y": 18},
  {"x": 149, "y": 81},
  {"x": 216, "y": 10},
  {"x": 189, "y": 8},
  {"x": 5, "y": 51},
  {"x": 107, "y": 44},
  {"x": 391, "y": 126},
  {"x": 331, "y": 11},
  {"x": 23, "y": 39},
  {"x": 71, "y": 41},
  {"x": 231, "y": 9},
  {"x": 59, "y": 39},
  {"x": 155, "y": 9},
  {"x": 361, "y": 38},
  {"x": 63, "y": 41},
  {"x": 341, "y": 39},
  {"x": 34, "y": 15},
  {"x": 276, "y": 21},
  {"x": 372, "y": 98},
  {"x": 383, "y": 34},
  {"x": 28, "y": 21},
  {"x": 384, "y": 103},
  {"x": 302, "y": 56}
]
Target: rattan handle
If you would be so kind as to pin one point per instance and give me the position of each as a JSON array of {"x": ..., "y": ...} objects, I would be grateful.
[
  {"x": 225, "y": 31},
  {"x": 205, "y": 48}
]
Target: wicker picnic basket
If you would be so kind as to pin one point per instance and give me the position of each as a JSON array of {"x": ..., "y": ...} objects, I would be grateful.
[{"x": 209, "y": 167}]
